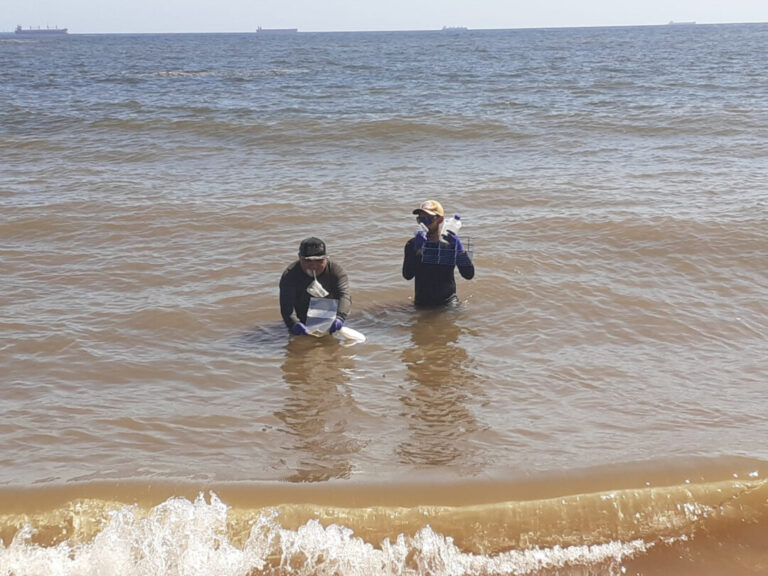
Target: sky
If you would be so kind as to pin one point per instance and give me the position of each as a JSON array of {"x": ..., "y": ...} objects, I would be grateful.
[{"x": 153, "y": 16}]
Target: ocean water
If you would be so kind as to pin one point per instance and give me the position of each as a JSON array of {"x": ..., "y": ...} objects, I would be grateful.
[{"x": 597, "y": 406}]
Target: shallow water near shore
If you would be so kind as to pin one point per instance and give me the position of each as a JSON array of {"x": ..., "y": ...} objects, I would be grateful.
[{"x": 596, "y": 405}]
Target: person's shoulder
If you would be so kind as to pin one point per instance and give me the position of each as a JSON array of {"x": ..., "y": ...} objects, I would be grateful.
[
  {"x": 291, "y": 268},
  {"x": 335, "y": 267}
]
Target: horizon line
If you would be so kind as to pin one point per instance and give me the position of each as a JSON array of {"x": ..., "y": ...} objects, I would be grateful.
[{"x": 456, "y": 29}]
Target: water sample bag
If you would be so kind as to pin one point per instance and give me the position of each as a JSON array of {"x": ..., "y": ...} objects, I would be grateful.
[{"x": 320, "y": 315}]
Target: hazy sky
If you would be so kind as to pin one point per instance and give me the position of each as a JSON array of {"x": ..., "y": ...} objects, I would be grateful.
[{"x": 105, "y": 16}]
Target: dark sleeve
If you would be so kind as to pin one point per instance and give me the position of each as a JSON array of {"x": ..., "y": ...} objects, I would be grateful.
[
  {"x": 288, "y": 299},
  {"x": 410, "y": 261},
  {"x": 465, "y": 266},
  {"x": 342, "y": 292}
]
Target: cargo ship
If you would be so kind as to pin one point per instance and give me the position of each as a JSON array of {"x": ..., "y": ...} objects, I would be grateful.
[
  {"x": 261, "y": 30},
  {"x": 41, "y": 31}
]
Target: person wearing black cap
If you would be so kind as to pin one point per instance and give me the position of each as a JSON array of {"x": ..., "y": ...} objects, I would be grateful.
[
  {"x": 313, "y": 266},
  {"x": 435, "y": 283}
]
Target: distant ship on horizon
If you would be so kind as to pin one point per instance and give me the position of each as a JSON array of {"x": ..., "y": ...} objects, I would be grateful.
[
  {"x": 261, "y": 30},
  {"x": 674, "y": 23},
  {"x": 41, "y": 31}
]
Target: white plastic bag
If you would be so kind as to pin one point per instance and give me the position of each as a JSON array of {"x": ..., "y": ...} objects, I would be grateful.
[{"x": 316, "y": 289}]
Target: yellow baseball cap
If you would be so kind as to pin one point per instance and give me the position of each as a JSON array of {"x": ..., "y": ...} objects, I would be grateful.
[{"x": 431, "y": 207}]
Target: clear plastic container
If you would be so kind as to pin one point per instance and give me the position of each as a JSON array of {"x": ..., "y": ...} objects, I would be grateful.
[{"x": 452, "y": 225}]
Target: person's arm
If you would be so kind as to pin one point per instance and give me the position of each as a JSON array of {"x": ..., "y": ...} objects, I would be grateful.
[
  {"x": 465, "y": 265},
  {"x": 342, "y": 292},
  {"x": 288, "y": 301},
  {"x": 411, "y": 260},
  {"x": 463, "y": 261}
]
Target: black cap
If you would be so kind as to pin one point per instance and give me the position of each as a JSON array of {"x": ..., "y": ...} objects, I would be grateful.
[{"x": 312, "y": 249}]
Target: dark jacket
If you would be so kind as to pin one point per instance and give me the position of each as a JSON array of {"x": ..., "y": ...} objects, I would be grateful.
[
  {"x": 294, "y": 298},
  {"x": 435, "y": 284}
]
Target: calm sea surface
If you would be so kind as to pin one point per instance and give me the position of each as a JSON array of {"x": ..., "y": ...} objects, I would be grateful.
[{"x": 599, "y": 405}]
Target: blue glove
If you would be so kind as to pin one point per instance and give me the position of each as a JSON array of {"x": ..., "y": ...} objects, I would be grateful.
[
  {"x": 299, "y": 329},
  {"x": 455, "y": 242},
  {"x": 419, "y": 240},
  {"x": 336, "y": 325}
]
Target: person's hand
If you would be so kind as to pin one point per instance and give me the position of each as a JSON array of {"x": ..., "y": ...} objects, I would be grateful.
[
  {"x": 454, "y": 241},
  {"x": 299, "y": 329},
  {"x": 419, "y": 239},
  {"x": 336, "y": 325}
]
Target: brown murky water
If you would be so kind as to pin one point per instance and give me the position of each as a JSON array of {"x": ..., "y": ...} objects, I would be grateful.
[{"x": 596, "y": 406}]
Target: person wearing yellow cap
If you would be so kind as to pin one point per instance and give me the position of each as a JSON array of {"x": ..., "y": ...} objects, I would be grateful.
[
  {"x": 312, "y": 275},
  {"x": 435, "y": 282}
]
